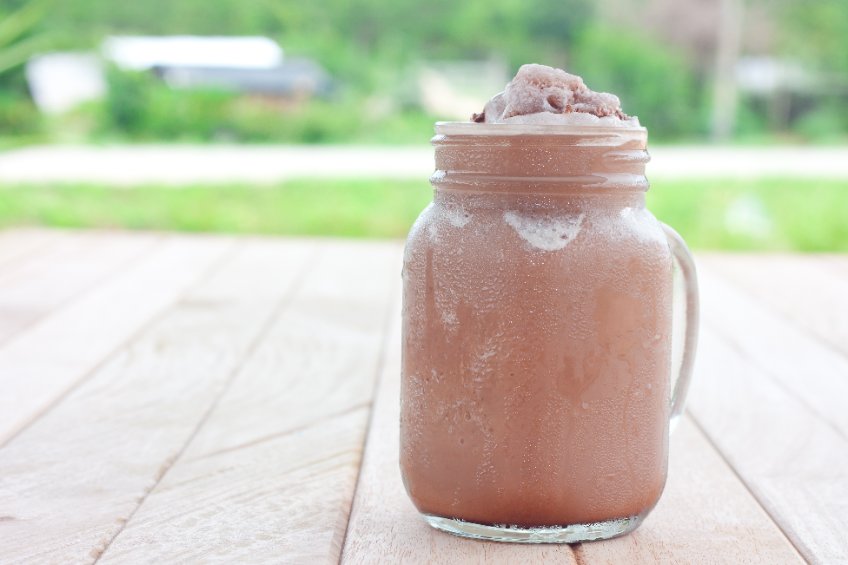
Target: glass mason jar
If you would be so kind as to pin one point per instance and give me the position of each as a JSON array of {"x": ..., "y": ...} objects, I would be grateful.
[{"x": 536, "y": 396}]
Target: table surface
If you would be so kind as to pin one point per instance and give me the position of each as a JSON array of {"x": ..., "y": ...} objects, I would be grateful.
[{"x": 170, "y": 398}]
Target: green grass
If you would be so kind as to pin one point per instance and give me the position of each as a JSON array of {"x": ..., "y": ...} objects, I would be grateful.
[
  {"x": 765, "y": 214},
  {"x": 756, "y": 215}
]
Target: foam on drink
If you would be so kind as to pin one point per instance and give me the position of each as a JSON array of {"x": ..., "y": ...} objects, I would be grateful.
[{"x": 544, "y": 95}]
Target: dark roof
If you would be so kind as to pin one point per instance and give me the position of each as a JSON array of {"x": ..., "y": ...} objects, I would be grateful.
[{"x": 291, "y": 77}]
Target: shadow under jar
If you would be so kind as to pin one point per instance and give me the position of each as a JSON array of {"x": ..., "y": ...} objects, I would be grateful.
[{"x": 537, "y": 320}]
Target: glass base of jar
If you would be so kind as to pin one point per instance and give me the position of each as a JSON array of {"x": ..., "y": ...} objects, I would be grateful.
[{"x": 573, "y": 533}]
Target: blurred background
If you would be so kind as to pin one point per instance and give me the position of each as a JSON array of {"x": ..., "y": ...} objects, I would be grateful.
[{"x": 312, "y": 118}]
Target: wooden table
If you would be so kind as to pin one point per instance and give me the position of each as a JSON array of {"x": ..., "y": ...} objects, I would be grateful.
[{"x": 182, "y": 399}]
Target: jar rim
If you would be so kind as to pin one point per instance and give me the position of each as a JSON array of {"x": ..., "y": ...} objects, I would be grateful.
[
  {"x": 475, "y": 129},
  {"x": 539, "y": 158}
]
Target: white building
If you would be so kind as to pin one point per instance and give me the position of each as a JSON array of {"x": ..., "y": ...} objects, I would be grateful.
[
  {"x": 250, "y": 65},
  {"x": 60, "y": 81}
]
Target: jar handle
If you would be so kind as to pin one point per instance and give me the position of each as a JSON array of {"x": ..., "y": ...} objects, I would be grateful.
[{"x": 686, "y": 264}]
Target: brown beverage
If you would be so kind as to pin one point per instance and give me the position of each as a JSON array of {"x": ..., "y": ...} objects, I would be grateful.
[{"x": 536, "y": 335}]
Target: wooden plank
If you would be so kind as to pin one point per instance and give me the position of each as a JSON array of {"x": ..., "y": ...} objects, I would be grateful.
[
  {"x": 812, "y": 371},
  {"x": 20, "y": 243},
  {"x": 270, "y": 476},
  {"x": 76, "y": 263},
  {"x": 802, "y": 288},
  {"x": 39, "y": 365},
  {"x": 706, "y": 515},
  {"x": 794, "y": 462},
  {"x": 70, "y": 482},
  {"x": 836, "y": 263}
]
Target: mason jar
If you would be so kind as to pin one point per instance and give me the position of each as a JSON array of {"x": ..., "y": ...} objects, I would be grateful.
[{"x": 536, "y": 392}]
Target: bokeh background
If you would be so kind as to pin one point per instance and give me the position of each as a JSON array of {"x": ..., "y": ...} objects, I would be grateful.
[{"x": 193, "y": 115}]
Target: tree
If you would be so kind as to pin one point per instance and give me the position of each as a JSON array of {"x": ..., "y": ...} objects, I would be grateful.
[
  {"x": 21, "y": 35},
  {"x": 817, "y": 32}
]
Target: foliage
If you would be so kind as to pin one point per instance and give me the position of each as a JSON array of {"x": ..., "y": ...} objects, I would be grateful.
[
  {"x": 18, "y": 116},
  {"x": 823, "y": 123},
  {"x": 793, "y": 215},
  {"x": 816, "y": 32},
  {"x": 652, "y": 82},
  {"x": 751, "y": 118},
  {"x": 21, "y": 36},
  {"x": 20, "y": 33},
  {"x": 344, "y": 34},
  {"x": 368, "y": 45},
  {"x": 140, "y": 107}
]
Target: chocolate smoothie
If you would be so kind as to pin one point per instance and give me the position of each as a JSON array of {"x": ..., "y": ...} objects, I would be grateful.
[{"x": 537, "y": 317}]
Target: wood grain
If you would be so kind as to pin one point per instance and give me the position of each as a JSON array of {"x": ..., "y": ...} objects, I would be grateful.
[
  {"x": 811, "y": 371},
  {"x": 804, "y": 289},
  {"x": 706, "y": 515},
  {"x": 835, "y": 263},
  {"x": 39, "y": 365},
  {"x": 70, "y": 482},
  {"x": 183, "y": 399},
  {"x": 794, "y": 462},
  {"x": 51, "y": 276},
  {"x": 20, "y": 243},
  {"x": 270, "y": 476}
]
